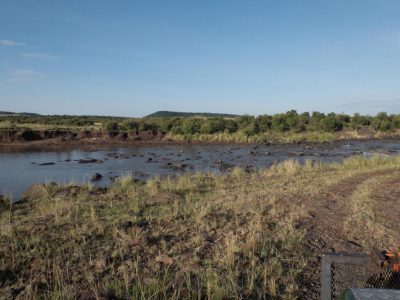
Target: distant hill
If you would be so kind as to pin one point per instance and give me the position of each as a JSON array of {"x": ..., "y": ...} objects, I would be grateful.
[
  {"x": 169, "y": 114},
  {"x": 9, "y": 113}
]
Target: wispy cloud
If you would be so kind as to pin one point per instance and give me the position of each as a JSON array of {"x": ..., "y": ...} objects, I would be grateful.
[
  {"x": 10, "y": 43},
  {"x": 40, "y": 56},
  {"x": 24, "y": 75}
]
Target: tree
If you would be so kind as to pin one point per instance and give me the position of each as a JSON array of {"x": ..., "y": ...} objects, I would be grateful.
[
  {"x": 357, "y": 121},
  {"x": 213, "y": 125},
  {"x": 330, "y": 123},
  {"x": 112, "y": 126},
  {"x": 279, "y": 122},
  {"x": 191, "y": 126},
  {"x": 264, "y": 123},
  {"x": 131, "y": 125},
  {"x": 382, "y": 122},
  {"x": 231, "y": 126}
]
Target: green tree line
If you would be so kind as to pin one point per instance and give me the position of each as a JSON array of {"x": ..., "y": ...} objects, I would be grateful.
[
  {"x": 290, "y": 121},
  {"x": 251, "y": 125}
]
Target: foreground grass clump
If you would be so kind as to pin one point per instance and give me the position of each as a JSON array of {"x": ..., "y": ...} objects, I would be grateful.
[{"x": 191, "y": 237}]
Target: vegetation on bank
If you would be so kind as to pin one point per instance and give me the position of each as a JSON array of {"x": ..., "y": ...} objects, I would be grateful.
[
  {"x": 250, "y": 125},
  {"x": 285, "y": 127},
  {"x": 172, "y": 114},
  {"x": 235, "y": 236},
  {"x": 54, "y": 121}
]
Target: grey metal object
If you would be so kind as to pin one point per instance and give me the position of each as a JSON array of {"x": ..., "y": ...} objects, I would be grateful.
[
  {"x": 370, "y": 293},
  {"x": 337, "y": 258}
]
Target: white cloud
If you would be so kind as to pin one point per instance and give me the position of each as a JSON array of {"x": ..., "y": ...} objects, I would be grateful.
[
  {"x": 10, "y": 43},
  {"x": 40, "y": 56},
  {"x": 24, "y": 75}
]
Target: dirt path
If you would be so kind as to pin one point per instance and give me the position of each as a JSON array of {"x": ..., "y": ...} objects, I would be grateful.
[{"x": 329, "y": 211}]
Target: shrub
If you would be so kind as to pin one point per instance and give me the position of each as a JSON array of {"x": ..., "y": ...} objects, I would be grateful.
[
  {"x": 330, "y": 123},
  {"x": 112, "y": 126}
]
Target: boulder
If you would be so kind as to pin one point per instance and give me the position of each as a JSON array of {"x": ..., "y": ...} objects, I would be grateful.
[{"x": 97, "y": 177}]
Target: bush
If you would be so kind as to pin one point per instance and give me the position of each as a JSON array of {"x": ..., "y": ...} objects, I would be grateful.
[
  {"x": 279, "y": 123},
  {"x": 131, "y": 125},
  {"x": 330, "y": 123},
  {"x": 213, "y": 125},
  {"x": 231, "y": 126},
  {"x": 191, "y": 126},
  {"x": 112, "y": 126}
]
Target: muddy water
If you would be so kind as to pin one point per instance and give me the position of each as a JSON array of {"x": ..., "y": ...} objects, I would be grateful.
[{"x": 20, "y": 167}]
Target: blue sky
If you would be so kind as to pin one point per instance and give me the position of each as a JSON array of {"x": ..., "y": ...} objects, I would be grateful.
[{"x": 131, "y": 58}]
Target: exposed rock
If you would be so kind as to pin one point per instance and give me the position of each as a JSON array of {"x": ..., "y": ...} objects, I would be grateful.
[
  {"x": 97, "y": 177},
  {"x": 134, "y": 242},
  {"x": 89, "y": 160},
  {"x": 164, "y": 259},
  {"x": 47, "y": 164},
  {"x": 296, "y": 154},
  {"x": 176, "y": 166},
  {"x": 112, "y": 178},
  {"x": 223, "y": 165}
]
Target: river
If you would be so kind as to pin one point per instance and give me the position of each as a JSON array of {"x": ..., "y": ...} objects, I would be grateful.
[{"x": 22, "y": 166}]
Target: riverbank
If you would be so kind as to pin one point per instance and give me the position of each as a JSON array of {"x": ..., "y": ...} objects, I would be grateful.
[
  {"x": 237, "y": 235},
  {"x": 98, "y": 137}
]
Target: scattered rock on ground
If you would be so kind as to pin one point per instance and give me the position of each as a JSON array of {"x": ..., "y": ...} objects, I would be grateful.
[{"x": 164, "y": 259}]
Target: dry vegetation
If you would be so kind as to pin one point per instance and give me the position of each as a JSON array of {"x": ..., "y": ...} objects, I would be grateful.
[{"x": 202, "y": 236}]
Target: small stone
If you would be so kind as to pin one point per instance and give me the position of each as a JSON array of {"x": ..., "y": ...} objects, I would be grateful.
[
  {"x": 134, "y": 242},
  {"x": 164, "y": 259}
]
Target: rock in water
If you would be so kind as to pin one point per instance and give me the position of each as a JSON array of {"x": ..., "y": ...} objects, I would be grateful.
[
  {"x": 89, "y": 160},
  {"x": 97, "y": 177},
  {"x": 47, "y": 164}
]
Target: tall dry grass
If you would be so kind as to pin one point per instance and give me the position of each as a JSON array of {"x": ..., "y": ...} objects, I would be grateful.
[{"x": 194, "y": 236}]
